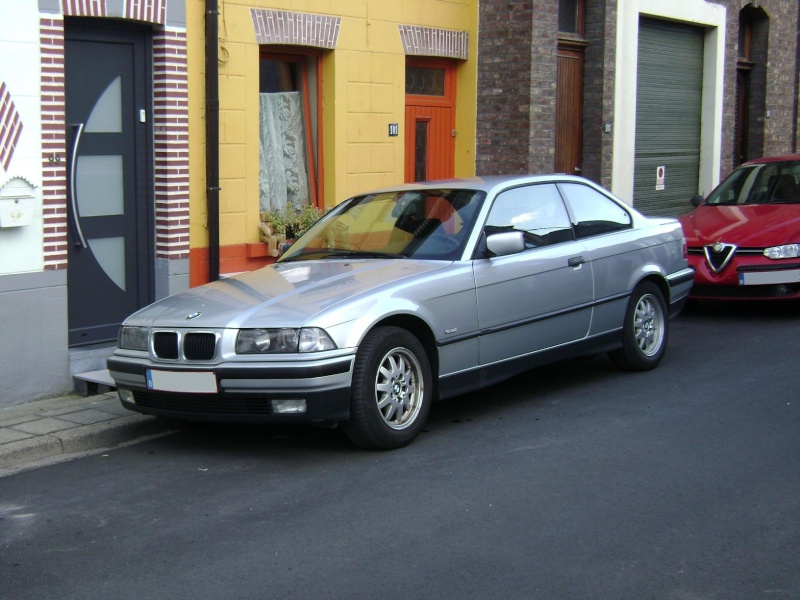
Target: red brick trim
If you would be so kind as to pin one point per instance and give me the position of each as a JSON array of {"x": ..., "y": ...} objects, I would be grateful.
[
  {"x": 83, "y": 8},
  {"x": 54, "y": 148},
  {"x": 151, "y": 11},
  {"x": 430, "y": 41},
  {"x": 171, "y": 144},
  {"x": 295, "y": 28}
]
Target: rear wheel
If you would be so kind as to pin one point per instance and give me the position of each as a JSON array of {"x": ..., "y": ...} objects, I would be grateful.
[
  {"x": 391, "y": 392},
  {"x": 645, "y": 330}
]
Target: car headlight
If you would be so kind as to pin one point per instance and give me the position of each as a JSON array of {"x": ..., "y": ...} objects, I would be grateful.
[
  {"x": 133, "y": 338},
  {"x": 284, "y": 340},
  {"x": 787, "y": 251}
]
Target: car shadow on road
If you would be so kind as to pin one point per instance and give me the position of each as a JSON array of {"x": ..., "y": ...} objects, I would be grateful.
[
  {"x": 543, "y": 386},
  {"x": 742, "y": 309}
]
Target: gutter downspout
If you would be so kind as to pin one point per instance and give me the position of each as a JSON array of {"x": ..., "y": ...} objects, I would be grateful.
[{"x": 212, "y": 138}]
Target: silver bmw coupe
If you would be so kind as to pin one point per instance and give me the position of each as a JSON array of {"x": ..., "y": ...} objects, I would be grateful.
[{"x": 405, "y": 295}]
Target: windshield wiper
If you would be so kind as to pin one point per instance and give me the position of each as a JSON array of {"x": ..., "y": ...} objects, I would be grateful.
[
  {"x": 322, "y": 254},
  {"x": 361, "y": 254}
]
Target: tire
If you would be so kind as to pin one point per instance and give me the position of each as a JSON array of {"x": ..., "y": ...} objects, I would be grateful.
[
  {"x": 391, "y": 392},
  {"x": 645, "y": 330}
]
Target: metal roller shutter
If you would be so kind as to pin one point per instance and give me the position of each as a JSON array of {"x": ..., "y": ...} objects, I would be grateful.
[{"x": 669, "y": 96}]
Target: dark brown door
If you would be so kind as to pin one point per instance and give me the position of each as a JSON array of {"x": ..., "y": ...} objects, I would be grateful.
[
  {"x": 742, "y": 111},
  {"x": 569, "y": 111}
]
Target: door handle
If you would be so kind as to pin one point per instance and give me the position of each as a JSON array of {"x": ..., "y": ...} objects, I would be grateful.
[
  {"x": 576, "y": 261},
  {"x": 72, "y": 188}
]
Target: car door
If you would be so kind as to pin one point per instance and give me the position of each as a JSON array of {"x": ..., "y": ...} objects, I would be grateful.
[
  {"x": 538, "y": 298},
  {"x": 605, "y": 229}
]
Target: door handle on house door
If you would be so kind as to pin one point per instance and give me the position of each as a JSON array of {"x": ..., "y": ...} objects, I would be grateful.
[{"x": 72, "y": 187}]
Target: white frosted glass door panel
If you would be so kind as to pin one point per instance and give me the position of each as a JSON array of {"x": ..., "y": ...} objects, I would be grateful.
[
  {"x": 110, "y": 255},
  {"x": 106, "y": 116},
  {"x": 98, "y": 181}
]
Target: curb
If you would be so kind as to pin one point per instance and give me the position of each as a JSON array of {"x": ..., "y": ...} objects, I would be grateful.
[{"x": 80, "y": 439}]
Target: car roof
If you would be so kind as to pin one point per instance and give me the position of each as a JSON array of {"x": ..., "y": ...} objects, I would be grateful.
[
  {"x": 771, "y": 159},
  {"x": 484, "y": 183}
]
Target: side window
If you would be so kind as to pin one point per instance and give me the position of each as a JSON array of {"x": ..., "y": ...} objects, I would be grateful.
[
  {"x": 536, "y": 210},
  {"x": 593, "y": 212}
]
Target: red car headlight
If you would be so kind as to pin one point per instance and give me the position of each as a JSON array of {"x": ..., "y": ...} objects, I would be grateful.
[{"x": 779, "y": 252}]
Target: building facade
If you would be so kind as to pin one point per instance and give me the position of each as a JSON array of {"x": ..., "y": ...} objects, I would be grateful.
[
  {"x": 654, "y": 100},
  {"x": 320, "y": 100},
  {"x": 147, "y": 146},
  {"x": 94, "y": 173},
  {"x": 105, "y": 174}
]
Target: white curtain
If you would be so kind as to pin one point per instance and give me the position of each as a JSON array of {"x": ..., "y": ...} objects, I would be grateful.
[{"x": 284, "y": 175}]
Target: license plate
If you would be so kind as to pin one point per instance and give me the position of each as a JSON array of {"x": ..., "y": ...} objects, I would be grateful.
[
  {"x": 187, "y": 382},
  {"x": 769, "y": 277}
]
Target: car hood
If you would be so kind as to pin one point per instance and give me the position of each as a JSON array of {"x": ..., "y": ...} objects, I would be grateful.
[
  {"x": 754, "y": 226},
  {"x": 278, "y": 295}
]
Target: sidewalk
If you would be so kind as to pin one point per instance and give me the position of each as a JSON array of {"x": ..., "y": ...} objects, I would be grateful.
[{"x": 45, "y": 431}]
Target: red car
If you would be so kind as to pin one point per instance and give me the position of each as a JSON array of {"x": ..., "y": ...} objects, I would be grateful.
[{"x": 744, "y": 239}]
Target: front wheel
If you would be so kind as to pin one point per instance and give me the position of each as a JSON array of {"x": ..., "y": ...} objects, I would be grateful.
[
  {"x": 391, "y": 391},
  {"x": 645, "y": 330}
]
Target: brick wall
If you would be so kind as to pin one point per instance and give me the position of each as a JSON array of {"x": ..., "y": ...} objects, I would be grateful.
[
  {"x": 517, "y": 79},
  {"x": 598, "y": 95},
  {"x": 504, "y": 87},
  {"x": 54, "y": 148},
  {"x": 171, "y": 145},
  {"x": 780, "y": 126}
]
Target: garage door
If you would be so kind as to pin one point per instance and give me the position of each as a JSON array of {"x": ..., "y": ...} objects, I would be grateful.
[{"x": 669, "y": 96}]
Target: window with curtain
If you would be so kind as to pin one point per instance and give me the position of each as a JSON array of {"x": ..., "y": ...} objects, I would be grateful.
[{"x": 288, "y": 132}]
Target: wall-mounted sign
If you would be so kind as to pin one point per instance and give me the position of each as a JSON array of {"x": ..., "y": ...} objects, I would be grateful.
[
  {"x": 394, "y": 130},
  {"x": 660, "y": 174}
]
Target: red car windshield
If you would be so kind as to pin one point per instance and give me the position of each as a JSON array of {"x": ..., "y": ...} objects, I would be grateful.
[{"x": 764, "y": 183}]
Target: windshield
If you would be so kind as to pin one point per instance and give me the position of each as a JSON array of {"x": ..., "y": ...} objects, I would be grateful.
[
  {"x": 767, "y": 183},
  {"x": 429, "y": 224}
]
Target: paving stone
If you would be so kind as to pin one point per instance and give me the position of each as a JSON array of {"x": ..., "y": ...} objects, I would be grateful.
[
  {"x": 85, "y": 417},
  {"x": 12, "y": 435},
  {"x": 44, "y": 426},
  {"x": 17, "y": 420}
]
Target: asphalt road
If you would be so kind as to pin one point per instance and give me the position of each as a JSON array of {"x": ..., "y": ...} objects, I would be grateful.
[{"x": 575, "y": 481}]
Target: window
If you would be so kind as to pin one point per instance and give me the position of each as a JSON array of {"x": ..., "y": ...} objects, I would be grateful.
[
  {"x": 592, "y": 212},
  {"x": 745, "y": 35},
  {"x": 423, "y": 81},
  {"x": 289, "y": 131},
  {"x": 570, "y": 16},
  {"x": 536, "y": 210}
]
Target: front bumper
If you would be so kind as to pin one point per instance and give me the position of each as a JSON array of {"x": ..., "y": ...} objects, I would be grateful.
[
  {"x": 245, "y": 392},
  {"x": 747, "y": 276}
]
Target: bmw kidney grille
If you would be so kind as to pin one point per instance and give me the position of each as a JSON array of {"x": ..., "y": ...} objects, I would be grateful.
[{"x": 196, "y": 345}]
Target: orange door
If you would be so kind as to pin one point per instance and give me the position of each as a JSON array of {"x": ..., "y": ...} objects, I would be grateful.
[
  {"x": 430, "y": 119},
  {"x": 429, "y": 143}
]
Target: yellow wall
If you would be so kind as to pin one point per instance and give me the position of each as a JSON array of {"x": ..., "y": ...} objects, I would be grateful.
[{"x": 363, "y": 91}]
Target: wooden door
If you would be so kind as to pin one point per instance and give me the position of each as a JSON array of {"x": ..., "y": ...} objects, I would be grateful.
[
  {"x": 430, "y": 119},
  {"x": 429, "y": 143},
  {"x": 569, "y": 110}
]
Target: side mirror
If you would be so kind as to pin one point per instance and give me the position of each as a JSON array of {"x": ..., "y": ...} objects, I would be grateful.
[
  {"x": 697, "y": 200},
  {"x": 502, "y": 244}
]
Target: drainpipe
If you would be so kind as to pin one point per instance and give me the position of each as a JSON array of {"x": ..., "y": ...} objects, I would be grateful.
[{"x": 212, "y": 138}]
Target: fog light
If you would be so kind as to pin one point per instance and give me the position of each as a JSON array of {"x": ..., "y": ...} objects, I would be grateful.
[
  {"x": 126, "y": 395},
  {"x": 289, "y": 407}
]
